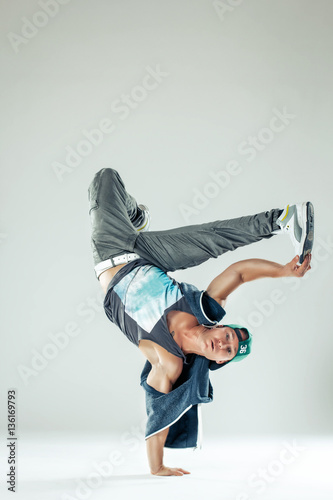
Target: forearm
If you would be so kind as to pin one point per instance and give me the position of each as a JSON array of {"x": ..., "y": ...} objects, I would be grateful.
[
  {"x": 155, "y": 445},
  {"x": 252, "y": 269}
]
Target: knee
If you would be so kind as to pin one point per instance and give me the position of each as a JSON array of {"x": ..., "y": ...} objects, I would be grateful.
[
  {"x": 109, "y": 178},
  {"x": 108, "y": 172}
]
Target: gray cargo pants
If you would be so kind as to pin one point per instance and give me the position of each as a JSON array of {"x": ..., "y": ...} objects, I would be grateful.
[{"x": 114, "y": 213}]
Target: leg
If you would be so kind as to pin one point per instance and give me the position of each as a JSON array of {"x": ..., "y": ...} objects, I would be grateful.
[
  {"x": 113, "y": 214},
  {"x": 191, "y": 245}
]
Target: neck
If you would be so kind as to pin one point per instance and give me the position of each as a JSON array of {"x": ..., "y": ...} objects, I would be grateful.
[{"x": 188, "y": 339}]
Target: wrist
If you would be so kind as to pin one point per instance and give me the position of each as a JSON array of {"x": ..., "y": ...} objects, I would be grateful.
[
  {"x": 280, "y": 271},
  {"x": 156, "y": 470}
]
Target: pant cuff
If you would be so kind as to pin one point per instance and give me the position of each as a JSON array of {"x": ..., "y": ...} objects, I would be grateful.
[{"x": 276, "y": 214}]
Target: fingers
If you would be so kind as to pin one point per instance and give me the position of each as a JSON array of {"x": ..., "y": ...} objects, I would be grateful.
[
  {"x": 184, "y": 471},
  {"x": 180, "y": 472},
  {"x": 305, "y": 266},
  {"x": 169, "y": 471},
  {"x": 294, "y": 269},
  {"x": 306, "y": 262}
]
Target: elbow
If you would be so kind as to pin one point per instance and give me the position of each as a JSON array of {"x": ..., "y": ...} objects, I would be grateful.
[{"x": 239, "y": 272}]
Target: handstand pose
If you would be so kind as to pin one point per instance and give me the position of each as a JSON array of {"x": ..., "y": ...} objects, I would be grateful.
[{"x": 173, "y": 322}]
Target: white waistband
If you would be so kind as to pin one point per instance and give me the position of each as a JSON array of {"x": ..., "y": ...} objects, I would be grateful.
[{"x": 114, "y": 261}]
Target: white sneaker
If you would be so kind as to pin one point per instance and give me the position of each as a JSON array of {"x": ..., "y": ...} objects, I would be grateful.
[
  {"x": 146, "y": 222},
  {"x": 298, "y": 221}
]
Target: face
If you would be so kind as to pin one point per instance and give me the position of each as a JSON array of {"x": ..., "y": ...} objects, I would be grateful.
[{"x": 219, "y": 344}]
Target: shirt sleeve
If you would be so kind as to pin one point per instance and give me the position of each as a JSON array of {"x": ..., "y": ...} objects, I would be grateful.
[
  {"x": 212, "y": 309},
  {"x": 207, "y": 311}
]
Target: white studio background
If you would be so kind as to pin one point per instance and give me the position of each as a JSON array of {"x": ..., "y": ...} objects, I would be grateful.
[{"x": 222, "y": 75}]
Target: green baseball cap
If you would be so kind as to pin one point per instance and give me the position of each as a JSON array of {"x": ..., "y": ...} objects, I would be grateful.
[{"x": 244, "y": 347}]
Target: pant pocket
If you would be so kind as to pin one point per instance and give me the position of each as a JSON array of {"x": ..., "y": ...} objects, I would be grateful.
[
  {"x": 92, "y": 196},
  {"x": 93, "y": 205},
  {"x": 93, "y": 191}
]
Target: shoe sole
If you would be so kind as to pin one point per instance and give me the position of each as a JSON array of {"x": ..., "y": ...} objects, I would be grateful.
[{"x": 308, "y": 216}]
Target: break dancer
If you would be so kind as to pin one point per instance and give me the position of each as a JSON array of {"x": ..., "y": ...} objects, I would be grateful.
[{"x": 175, "y": 325}]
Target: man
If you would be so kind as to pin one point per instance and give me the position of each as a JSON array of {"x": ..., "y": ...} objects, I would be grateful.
[{"x": 175, "y": 325}]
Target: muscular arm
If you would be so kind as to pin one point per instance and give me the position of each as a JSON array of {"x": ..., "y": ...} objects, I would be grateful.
[
  {"x": 162, "y": 380},
  {"x": 154, "y": 446},
  {"x": 252, "y": 269}
]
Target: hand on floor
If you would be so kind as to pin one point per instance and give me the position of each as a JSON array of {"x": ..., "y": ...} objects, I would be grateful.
[{"x": 168, "y": 471}]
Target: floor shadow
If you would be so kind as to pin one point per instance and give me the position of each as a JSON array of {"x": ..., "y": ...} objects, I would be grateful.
[{"x": 71, "y": 483}]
